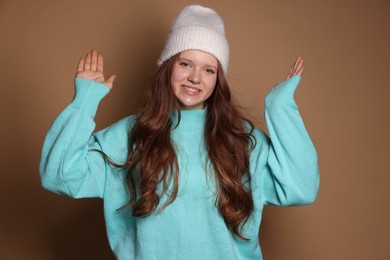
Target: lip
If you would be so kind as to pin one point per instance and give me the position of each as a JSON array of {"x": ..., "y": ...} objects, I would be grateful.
[{"x": 189, "y": 92}]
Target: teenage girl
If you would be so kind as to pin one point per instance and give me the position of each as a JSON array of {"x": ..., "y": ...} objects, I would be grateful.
[{"x": 187, "y": 177}]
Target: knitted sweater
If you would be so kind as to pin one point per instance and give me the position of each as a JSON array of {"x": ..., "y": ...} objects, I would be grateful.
[{"x": 283, "y": 169}]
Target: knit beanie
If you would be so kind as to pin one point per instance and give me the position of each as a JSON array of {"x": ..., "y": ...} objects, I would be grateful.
[{"x": 197, "y": 28}]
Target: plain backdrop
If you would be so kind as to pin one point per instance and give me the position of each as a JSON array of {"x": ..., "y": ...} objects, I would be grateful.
[{"x": 343, "y": 98}]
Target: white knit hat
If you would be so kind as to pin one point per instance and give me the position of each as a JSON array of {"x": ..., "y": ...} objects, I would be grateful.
[{"x": 197, "y": 28}]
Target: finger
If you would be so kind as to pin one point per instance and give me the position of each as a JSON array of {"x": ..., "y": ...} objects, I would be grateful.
[
  {"x": 87, "y": 63},
  {"x": 300, "y": 71},
  {"x": 111, "y": 79},
  {"x": 298, "y": 65},
  {"x": 295, "y": 66},
  {"x": 81, "y": 65},
  {"x": 100, "y": 63},
  {"x": 289, "y": 73},
  {"x": 300, "y": 60},
  {"x": 109, "y": 82},
  {"x": 94, "y": 59}
]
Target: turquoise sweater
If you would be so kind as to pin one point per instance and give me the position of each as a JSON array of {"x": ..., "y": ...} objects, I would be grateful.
[{"x": 283, "y": 168}]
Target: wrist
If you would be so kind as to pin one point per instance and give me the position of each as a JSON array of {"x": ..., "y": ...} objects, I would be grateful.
[{"x": 88, "y": 94}]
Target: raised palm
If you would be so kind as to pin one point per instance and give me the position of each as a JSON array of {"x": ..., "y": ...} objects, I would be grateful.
[
  {"x": 91, "y": 67},
  {"x": 297, "y": 68}
]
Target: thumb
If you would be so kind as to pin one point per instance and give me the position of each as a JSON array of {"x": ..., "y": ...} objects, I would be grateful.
[{"x": 111, "y": 79}]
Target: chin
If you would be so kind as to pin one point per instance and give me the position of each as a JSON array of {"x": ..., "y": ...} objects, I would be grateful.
[{"x": 187, "y": 106}]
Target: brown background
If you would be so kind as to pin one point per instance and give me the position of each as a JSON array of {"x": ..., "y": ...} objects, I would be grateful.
[{"x": 343, "y": 98}]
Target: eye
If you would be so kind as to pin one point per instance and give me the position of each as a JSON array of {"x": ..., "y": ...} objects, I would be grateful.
[
  {"x": 184, "y": 64},
  {"x": 210, "y": 71}
]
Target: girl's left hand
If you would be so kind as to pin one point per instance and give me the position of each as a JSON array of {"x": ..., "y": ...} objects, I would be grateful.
[{"x": 297, "y": 68}]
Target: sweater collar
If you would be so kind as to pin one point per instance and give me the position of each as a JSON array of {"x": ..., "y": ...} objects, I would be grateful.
[{"x": 190, "y": 120}]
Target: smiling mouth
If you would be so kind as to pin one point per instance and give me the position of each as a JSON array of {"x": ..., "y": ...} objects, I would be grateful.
[{"x": 191, "y": 90}]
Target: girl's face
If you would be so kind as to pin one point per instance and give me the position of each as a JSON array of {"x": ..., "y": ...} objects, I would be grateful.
[{"x": 193, "y": 78}]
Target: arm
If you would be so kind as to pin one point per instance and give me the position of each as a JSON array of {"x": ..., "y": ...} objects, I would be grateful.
[
  {"x": 291, "y": 176},
  {"x": 66, "y": 166}
]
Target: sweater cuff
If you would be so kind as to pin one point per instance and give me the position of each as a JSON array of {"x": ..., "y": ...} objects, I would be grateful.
[
  {"x": 283, "y": 93},
  {"x": 88, "y": 94}
]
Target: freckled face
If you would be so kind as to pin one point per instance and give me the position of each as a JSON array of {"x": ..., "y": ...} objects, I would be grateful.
[{"x": 193, "y": 78}]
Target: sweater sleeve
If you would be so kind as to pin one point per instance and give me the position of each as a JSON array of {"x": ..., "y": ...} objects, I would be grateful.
[
  {"x": 290, "y": 175},
  {"x": 67, "y": 165}
]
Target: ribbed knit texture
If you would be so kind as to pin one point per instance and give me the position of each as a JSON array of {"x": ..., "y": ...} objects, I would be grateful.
[
  {"x": 284, "y": 172},
  {"x": 197, "y": 28}
]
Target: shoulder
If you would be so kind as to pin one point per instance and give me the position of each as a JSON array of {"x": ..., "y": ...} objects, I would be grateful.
[
  {"x": 126, "y": 123},
  {"x": 114, "y": 139},
  {"x": 261, "y": 139},
  {"x": 117, "y": 132},
  {"x": 123, "y": 125},
  {"x": 258, "y": 137}
]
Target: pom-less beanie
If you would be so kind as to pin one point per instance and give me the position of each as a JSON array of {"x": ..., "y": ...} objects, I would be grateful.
[{"x": 197, "y": 28}]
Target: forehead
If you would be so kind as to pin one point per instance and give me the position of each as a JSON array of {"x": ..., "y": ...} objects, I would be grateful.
[{"x": 199, "y": 57}]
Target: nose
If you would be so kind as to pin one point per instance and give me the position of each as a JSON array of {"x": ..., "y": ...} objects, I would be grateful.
[{"x": 194, "y": 76}]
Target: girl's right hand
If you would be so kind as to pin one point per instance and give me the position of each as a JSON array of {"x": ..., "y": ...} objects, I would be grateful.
[{"x": 91, "y": 67}]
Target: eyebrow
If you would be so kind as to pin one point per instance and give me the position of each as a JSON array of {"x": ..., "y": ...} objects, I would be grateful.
[{"x": 206, "y": 65}]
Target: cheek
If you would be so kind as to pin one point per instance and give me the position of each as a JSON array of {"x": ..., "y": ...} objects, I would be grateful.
[
  {"x": 210, "y": 83},
  {"x": 178, "y": 75},
  {"x": 173, "y": 78}
]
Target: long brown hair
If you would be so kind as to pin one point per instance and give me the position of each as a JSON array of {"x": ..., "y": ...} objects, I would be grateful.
[{"x": 153, "y": 159}]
